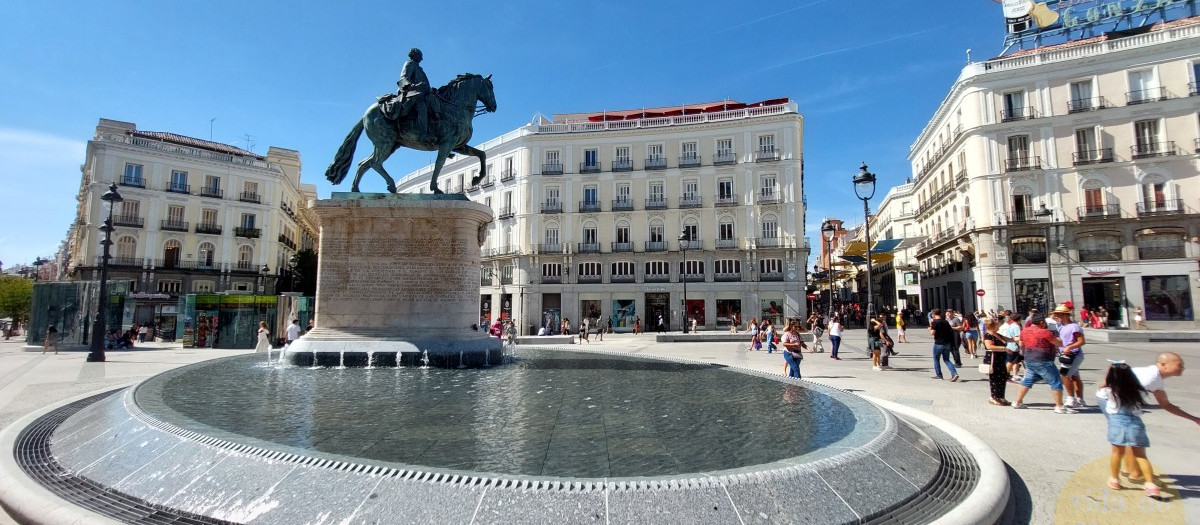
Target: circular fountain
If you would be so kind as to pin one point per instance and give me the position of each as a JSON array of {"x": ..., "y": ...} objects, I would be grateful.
[{"x": 552, "y": 436}]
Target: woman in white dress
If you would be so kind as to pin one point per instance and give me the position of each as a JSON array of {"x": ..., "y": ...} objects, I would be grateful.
[{"x": 264, "y": 339}]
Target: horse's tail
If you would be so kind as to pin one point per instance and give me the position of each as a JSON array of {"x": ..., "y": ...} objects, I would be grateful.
[{"x": 345, "y": 155}]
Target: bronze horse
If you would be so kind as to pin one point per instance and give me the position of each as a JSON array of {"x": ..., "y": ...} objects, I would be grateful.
[{"x": 451, "y": 131}]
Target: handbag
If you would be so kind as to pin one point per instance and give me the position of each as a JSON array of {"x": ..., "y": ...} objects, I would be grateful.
[
  {"x": 985, "y": 369},
  {"x": 1066, "y": 358},
  {"x": 757, "y": 344}
]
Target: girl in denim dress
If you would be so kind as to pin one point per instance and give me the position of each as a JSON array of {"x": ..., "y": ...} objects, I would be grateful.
[{"x": 1120, "y": 398}]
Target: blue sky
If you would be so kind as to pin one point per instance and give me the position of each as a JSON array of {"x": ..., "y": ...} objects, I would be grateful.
[{"x": 867, "y": 75}]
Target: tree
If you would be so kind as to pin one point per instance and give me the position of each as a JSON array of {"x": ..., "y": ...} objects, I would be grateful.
[
  {"x": 16, "y": 297},
  {"x": 304, "y": 265}
]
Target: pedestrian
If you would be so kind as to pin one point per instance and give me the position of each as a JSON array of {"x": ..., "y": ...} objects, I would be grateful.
[
  {"x": 956, "y": 324},
  {"x": 875, "y": 342},
  {"x": 292, "y": 334},
  {"x": 996, "y": 346},
  {"x": 1070, "y": 355},
  {"x": 1012, "y": 334},
  {"x": 662, "y": 324},
  {"x": 1152, "y": 377},
  {"x": 1103, "y": 313},
  {"x": 610, "y": 326},
  {"x": 793, "y": 348},
  {"x": 835, "y": 337},
  {"x": 51, "y": 340},
  {"x": 637, "y": 325},
  {"x": 755, "y": 342},
  {"x": 565, "y": 329},
  {"x": 1041, "y": 346},
  {"x": 1120, "y": 399},
  {"x": 767, "y": 331},
  {"x": 693, "y": 324},
  {"x": 900, "y": 325},
  {"x": 1139, "y": 323},
  {"x": 943, "y": 341},
  {"x": 264, "y": 340},
  {"x": 971, "y": 334},
  {"x": 583, "y": 330}
]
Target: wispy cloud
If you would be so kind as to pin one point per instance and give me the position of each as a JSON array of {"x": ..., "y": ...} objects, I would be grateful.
[{"x": 842, "y": 50}]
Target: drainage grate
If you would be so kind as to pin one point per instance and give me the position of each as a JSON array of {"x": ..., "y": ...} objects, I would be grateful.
[
  {"x": 956, "y": 478},
  {"x": 32, "y": 452}
]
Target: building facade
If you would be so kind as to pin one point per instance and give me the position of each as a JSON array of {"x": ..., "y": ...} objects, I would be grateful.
[
  {"x": 611, "y": 215},
  {"x": 196, "y": 217},
  {"x": 897, "y": 280},
  {"x": 1068, "y": 172}
]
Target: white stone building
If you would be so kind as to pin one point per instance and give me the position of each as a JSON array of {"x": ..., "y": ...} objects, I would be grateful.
[
  {"x": 197, "y": 216},
  {"x": 1068, "y": 172},
  {"x": 896, "y": 280},
  {"x": 590, "y": 209}
]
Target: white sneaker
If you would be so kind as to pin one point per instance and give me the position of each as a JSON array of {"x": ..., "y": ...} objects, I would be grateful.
[
  {"x": 1080, "y": 403},
  {"x": 1063, "y": 410},
  {"x": 876, "y": 368},
  {"x": 1068, "y": 401}
]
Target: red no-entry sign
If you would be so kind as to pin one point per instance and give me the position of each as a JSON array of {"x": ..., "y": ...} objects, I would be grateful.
[{"x": 980, "y": 292}]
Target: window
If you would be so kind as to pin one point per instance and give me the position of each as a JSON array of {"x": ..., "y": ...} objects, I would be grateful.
[
  {"x": 1167, "y": 298},
  {"x": 590, "y": 195},
  {"x": 130, "y": 209},
  {"x": 728, "y": 266},
  {"x": 552, "y": 163},
  {"x": 724, "y": 147},
  {"x": 590, "y": 158},
  {"x": 1022, "y": 208},
  {"x": 178, "y": 181},
  {"x": 203, "y": 287},
  {"x": 656, "y": 192},
  {"x": 171, "y": 253},
  {"x": 1086, "y": 148},
  {"x": 689, "y": 152},
  {"x": 691, "y": 268},
  {"x": 589, "y": 234},
  {"x": 250, "y": 189},
  {"x": 770, "y": 227},
  {"x": 656, "y": 231},
  {"x": 508, "y": 205},
  {"x": 208, "y": 217},
  {"x": 766, "y": 188},
  {"x": 770, "y": 266},
  {"x": 248, "y": 220},
  {"x": 1018, "y": 149},
  {"x": 623, "y": 232},
  {"x": 508, "y": 169},
  {"x": 766, "y": 144},
  {"x": 725, "y": 229},
  {"x": 245, "y": 258},
  {"x": 126, "y": 249},
  {"x": 506, "y": 274},
  {"x": 725, "y": 189},
  {"x": 206, "y": 255},
  {"x": 175, "y": 214},
  {"x": 1097, "y": 247},
  {"x": 623, "y": 193},
  {"x": 1145, "y": 136},
  {"x": 1161, "y": 243},
  {"x": 622, "y": 154},
  {"x": 1093, "y": 200},
  {"x": 552, "y": 196},
  {"x": 691, "y": 190},
  {"x": 590, "y": 269},
  {"x": 169, "y": 287},
  {"x": 625, "y": 269},
  {"x": 1081, "y": 96},
  {"x": 1014, "y": 106},
  {"x": 1028, "y": 250},
  {"x": 487, "y": 201},
  {"x": 1143, "y": 86},
  {"x": 657, "y": 268},
  {"x": 551, "y": 270},
  {"x": 212, "y": 183},
  {"x": 654, "y": 152},
  {"x": 1154, "y": 196},
  {"x": 692, "y": 231},
  {"x": 133, "y": 175}
]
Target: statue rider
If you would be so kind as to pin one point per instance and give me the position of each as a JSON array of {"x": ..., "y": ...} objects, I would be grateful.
[{"x": 414, "y": 90}]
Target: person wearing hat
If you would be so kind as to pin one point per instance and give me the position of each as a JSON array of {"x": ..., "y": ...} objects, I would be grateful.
[{"x": 1070, "y": 355}]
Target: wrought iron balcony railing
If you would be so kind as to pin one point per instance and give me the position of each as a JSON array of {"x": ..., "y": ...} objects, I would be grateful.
[
  {"x": 507, "y": 212},
  {"x": 590, "y": 279},
  {"x": 589, "y": 206},
  {"x": 727, "y": 277},
  {"x": 248, "y": 196},
  {"x": 1012, "y": 114},
  {"x": 507, "y": 175},
  {"x": 208, "y": 228},
  {"x": 622, "y": 278},
  {"x": 552, "y": 168},
  {"x": 1032, "y": 256},
  {"x": 207, "y": 191},
  {"x": 770, "y": 277},
  {"x": 549, "y": 247},
  {"x": 724, "y": 159},
  {"x": 622, "y": 165},
  {"x": 691, "y": 201},
  {"x": 178, "y": 188},
  {"x": 656, "y": 278},
  {"x": 552, "y": 207},
  {"x": 1103, "y": 211},
  {"x": 135, "y": 182},
  {"x": 1099, "y": 255},
  {"x": 656, "y": 163},
  {"x": 656, "y": 204},
  {"x": 1086, "y": 104},
  {"x": 1153, "y": 149},
  {"x": 587, "y": 247},
  {"x": 724, "y": 200},
  {"x": 768, "y": 198},
  {"x": 1161, "y": 252},
  {"x": 1163, "y": 207},
  {"x": 622, "y": 247},
  {"x": 769, "y": 242},
  {"x": 589, "y": 167},
  {"x": 1143, "y": 96},
  {"x": 689, "y": 161},
  {"x": 1015, "y": 164},
  {"x": 766, "y": 155},
  {"x": 249, "y": 233},
  {"x": 656, "y": 246},
  {"x": 727, "y": 244},
  {"x": 622, "y": 205},
  {"x": 1092, "y": 156},
  {"x": 132, "y": 221},
  {"x": 175, "y": 226}
]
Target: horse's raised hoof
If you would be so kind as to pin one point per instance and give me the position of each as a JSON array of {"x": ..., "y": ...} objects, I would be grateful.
[
  {"x": 354, "y": 189},
  {"x": 391, "y": 189},
  {"x": 437, "y": 191}
]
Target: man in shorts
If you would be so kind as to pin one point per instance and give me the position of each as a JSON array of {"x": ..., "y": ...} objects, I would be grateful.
[
  {"x": 1012, "y": 331},
  {"x": 1041, "y": 347},
  {"x": 1071, "y": 336},
  {"x": 1168, "y": 364}
]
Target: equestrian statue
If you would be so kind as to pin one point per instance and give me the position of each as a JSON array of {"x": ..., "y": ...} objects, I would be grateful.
[{"x": 420, "y": 118}]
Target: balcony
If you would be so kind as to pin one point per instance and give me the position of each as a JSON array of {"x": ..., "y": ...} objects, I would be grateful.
[
  {"x": 1024, "y": 217},
  {"x": 725, "y": 159},
  {"x": 1100, "y": 255},
  {"x": 766, "y": 155},
  {"x": 216, "y": 193},
  {"x": 485, "y": 280},
  {"x": 487, "y": 182},
  {"x": 249, "y": 233},
  {"x": 1014, "y": 114},
  {"x": 552, "y": 168},
  {"x": 507, "y": 175},
  {"x": 1103, "y": 211},
  {"x": 693, "y": 245},
  {"x": 1197, "y": 146},
  {"x": 549, "y": 247},
  {"x": 1092, "y": 156},
  {"x": 590, "y": 279},
  {"x": 770, "y": 277},
  {"x": 724, "y": 200},
  {"x": 768, "y": 198},
  {"x": 589, "y": 167},
  {"x": 1161, "y": 252},
  {"x": 249, "y": 196},
  {"x": 1143, "y": 96},
  {"x": 173, "y": 226},
  {"x": 286, "y": 241},
  {"x": 1018, "y": 164},
  {"x": 692, "y": 278},
  {"x": 960, "y": 177},
  {"x": 769, "y": 242},
  {"x": 622, "y": 278},
  {"x": 1193, "y": 89},
  {"x": 691, "y": 201},
  {"x": 689, "y": 161},
  {"x": 657, "y": 278},
  {"x": 185, "y": 189},
  {"x": 587, "y": 247},
  {"x": 208, "y": 228},
  {"x": 655, "y": 246},
  {"x": 507, "y": 212},
  {"x": 622, "y": 247},
  {"x": 622, "y": 165},
  {"x": 1162, "y": 207},
  {"x": 589, "y": 206},
  {"x": 727, "y": 244},
  {"x": 246, "y": 266},
  {"x": 510, "y": 249},
  {"x": 656, "y": 163},
  {"x": 136, "y": 262},
  {"x": 133, "y": 182},
  {"x": 656, "y": 204},
  {"x": 552, "y": 279},
  {"x": 1086, "y": 104},
  {"x": 552, "y": 207},
  {"x": 1153, "y": 149},
  {"x": 727, "y": 277},
  {"x": 622, "y": 205},
  {"x": 132, "y": 221},
  {"x": 506, "y": 279}
]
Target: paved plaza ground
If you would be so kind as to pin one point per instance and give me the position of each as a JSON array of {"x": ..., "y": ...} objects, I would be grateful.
[{"x": 1058, "y": 462}]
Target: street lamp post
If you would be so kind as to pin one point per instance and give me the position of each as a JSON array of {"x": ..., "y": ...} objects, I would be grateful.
[
  {"x": 864, "y": 188},
  {"x": 827, "y": 231},
  {"x": 262, "y": 286},
  {"x": 99, "y": 328},
  {"x": 1045, "y": 212},
  {"x": 37, "y": 265},
  {"x": 684, "y": 239}
]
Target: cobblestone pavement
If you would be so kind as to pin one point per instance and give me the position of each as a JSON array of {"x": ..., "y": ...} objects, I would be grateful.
[{"x": 1057, "y": 462}]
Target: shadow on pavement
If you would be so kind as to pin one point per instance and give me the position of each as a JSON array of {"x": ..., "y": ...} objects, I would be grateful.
[{"x": 1020, "y": 503}]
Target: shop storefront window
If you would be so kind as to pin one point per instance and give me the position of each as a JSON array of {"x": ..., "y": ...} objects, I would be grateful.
[
  {"x": 1167, "y": 298},
  {"x": 728, "y": 310},
  {"x": 1030, "y": 294},
  {"x": 624, "y": 313}
]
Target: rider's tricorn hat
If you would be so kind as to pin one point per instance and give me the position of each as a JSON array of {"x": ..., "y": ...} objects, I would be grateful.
[{"x": 415, "y": 51}]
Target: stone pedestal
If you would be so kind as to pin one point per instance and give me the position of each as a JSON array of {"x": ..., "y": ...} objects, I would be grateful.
[{"x": 397, "y": 282}]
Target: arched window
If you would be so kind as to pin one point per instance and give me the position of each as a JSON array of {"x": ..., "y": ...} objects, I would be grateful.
[
  {"x": 657, "y": 242},
  {"x": 726, "y": 234},
  {"x": 551, "y": 241},
  {"x": 171, "y": 253},
  {"x": 622, "y": 244},
  {"x": 126, "y": 250},
  {"x": 1160, "y": 243},
  {"x": 769, "y": 230},
  {"x": 206, "y": 255},
  {"x": 1099, "y": 246},
  {"x": 245, "y": 258},
  {"x": 591, "y": 239},
  {"x": 692, "y": 229}
]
